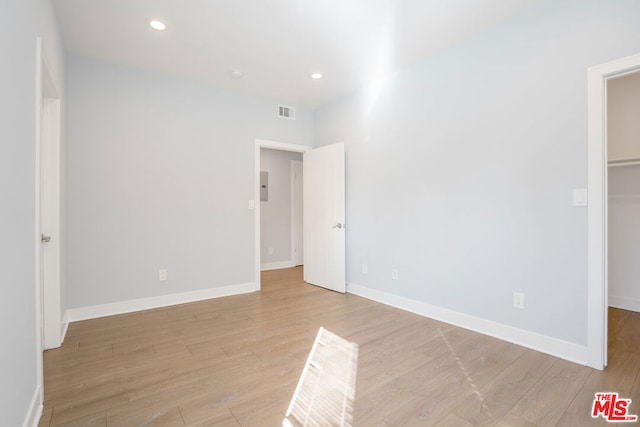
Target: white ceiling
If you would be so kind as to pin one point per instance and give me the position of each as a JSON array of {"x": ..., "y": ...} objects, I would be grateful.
[{"x": 276, "y": 43}]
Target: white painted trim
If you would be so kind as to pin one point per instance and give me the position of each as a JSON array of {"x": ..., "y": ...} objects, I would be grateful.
[
  {"x": 103, "y": 310},
  {"x": 624, "y": 303},
  {"x": 275, "y": 145},
  {"x": 64, "y": 326},
  {"x": 36, "y": 236},
  {"x": 295, "y": 234},
  {"x": 32, "y": 417},
  {"x": 283, "y": 146},
  {"x": 597, "y": 286},
  {"x": 553, "y": 346},
  {"x": 47, "y": 212},
  {"x": 276, "y": 265}
]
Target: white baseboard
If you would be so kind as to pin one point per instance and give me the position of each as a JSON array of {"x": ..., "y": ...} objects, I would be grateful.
[
  {"x": 64, "y": 326},
  {"x": 277, "y": 265},
  {"x": 103, "y": 310},
  {"x": 553, "y": 346},
  {"x": 624, "y": 303},
  {"x": 34, "y": 412}
]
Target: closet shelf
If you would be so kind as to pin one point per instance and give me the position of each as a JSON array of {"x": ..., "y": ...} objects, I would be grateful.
[
  {"x": 624, "y": 197},
  {"x": 625, "y": 162}
]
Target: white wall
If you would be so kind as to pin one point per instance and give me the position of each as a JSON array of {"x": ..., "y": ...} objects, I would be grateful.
[
  {"x": 460, "y": 172},
  {"x": 21, "y": 22},
  {"x": 275, "y": 214},
  {"x": 160, "y": 173}
]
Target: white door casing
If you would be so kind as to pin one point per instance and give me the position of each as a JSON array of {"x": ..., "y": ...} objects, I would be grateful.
[
  {"x": 597, "y": 208},
  {"x": 48, "y": 169},
  {"x": 324, "y": 217},
  {"x": 296, "y": 212},
  {"x": 47, "y": 212}
]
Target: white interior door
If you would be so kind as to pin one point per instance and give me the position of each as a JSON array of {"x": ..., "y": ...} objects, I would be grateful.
[
  {"x": 324, "y": 217},
  {"x": 49, "y": 215}
]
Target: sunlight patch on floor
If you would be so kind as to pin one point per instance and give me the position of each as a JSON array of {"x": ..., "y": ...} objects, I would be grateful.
[{"x": 325, "y": 394}]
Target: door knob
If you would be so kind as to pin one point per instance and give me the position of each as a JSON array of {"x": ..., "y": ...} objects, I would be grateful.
[
  {"x": 338, "y": 225},
  {"x": 45, "y": 239}
]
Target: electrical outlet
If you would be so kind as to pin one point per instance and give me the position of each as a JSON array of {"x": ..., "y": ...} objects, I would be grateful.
[
  {"x": 162, "y": 275},
  {"x": 365, "y": 269},
  {"x": 394, "y": 273},
  {"x": 518, "y": 300},
  {"x": 270, "y": 251}
]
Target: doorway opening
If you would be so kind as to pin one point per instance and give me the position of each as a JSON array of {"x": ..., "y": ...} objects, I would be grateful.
[
  {"x": 280, "y": 209},
  {"x": 597, "y": 211},
  {"x": 47, "y": 226},
  {"x": 623, "y": 208},
  {"x": 282, "y": 245}
]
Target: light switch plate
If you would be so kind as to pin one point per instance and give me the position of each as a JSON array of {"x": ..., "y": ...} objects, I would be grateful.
[{"x": 580, "y": 197}]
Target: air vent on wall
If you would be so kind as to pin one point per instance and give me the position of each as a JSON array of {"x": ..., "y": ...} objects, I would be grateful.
[{"x": 286, "y": 112}]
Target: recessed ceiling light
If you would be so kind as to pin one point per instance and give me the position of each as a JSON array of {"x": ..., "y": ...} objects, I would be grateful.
[
  {"x": 236, "y": 74},
  {"x": 157, "y": 25},
  {"x": 316, "y": 76}
]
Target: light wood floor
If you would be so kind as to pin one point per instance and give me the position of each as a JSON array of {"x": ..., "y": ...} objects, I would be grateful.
[{"x": 236, "y": 361}]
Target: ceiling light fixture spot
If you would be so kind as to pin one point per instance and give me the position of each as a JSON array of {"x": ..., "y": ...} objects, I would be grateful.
[
  {"x": 236, "y": 74},
  {"x": 316, "y": 76},
  {"x": 157, "y": 25}
]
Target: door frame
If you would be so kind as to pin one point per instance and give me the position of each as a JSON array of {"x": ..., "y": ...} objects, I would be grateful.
[
  {"x": 295, "y": 213},
  {"x": 255, "y": 203},
  {"x": 47, "y": 164},
  {"x": 597, "y": 210}
]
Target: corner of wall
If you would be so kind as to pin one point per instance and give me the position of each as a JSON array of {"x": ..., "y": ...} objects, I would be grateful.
[
  {"x": 545, "y": 344},
  {"x": 122, "y": 307},
  {"x": 32, "y": 418}
]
